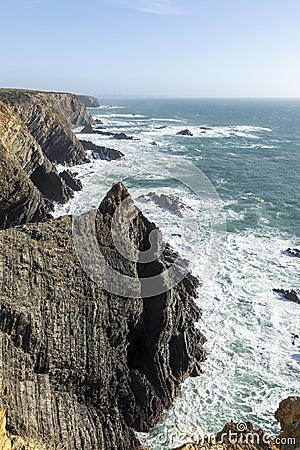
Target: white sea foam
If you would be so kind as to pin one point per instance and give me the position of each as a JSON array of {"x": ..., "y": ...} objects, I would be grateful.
[
  {"x": 212, "y": 131},
  {"x": 252, "y": 363}
]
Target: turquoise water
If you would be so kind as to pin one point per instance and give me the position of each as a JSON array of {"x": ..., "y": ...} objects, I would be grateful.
[{"x": 250, "y": 150}]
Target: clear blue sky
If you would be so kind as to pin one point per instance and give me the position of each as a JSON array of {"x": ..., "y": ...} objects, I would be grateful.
[{"x": 178, "y": 48}]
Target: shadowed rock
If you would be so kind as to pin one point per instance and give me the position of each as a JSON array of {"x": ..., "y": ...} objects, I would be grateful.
[
  {"x": 293, "y": 252},
  {"x": 171, "y": 203},
  {"x": 103, "y": 152},
  {"x": 70, "y": 180}
]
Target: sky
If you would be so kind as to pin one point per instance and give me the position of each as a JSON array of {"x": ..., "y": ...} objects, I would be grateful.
[{"x": 162, "y": 48}]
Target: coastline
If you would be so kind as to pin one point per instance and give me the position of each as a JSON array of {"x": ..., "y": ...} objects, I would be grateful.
[{"x": 36, "y": 270}]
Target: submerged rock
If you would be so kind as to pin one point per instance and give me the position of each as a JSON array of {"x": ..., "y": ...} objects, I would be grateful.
[
  {"x": 184, "y": 133},
  {"x": 87, "y": 129},
  {"x": 289, "y": 295},
  {"x": 171, "y": 203}
]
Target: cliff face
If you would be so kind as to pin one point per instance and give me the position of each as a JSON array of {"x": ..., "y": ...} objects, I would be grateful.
[
  {"x": 89, "y": 101},
  {"x": 49, "y": 128},
  {"x": 69, "y": 106},
  {"x": 20, "y": 200},
  {"x": 81, "y": 367}
]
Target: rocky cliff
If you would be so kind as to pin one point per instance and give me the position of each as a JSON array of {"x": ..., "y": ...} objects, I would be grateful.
[
  {"x": 82, "y": 368},
  {"x": 46, "y": 124},
  {"x": 34, "y": 133},
  {"x": 89, "y": 101}
]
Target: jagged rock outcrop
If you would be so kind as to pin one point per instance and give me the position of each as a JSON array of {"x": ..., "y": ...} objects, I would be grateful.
[
  {"x": 89, "y": 101},
  {"x": 293, "y": 252},
  {"x": 103, "y": 152},
  {"x": 87, "y": 129},
  {"x": 80, "y": 366},
  {"x": 288, "y": 415},
  {"x": 288, "y": 294},
  {"x": 20, "y": 156},
  {"x": 74, "y": 183},
  {"x": 171, "y": 203},
  {"x": 46, "y": 124}
]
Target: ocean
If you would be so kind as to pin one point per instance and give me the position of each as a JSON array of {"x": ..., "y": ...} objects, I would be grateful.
[{"x": 250, "y": 152}]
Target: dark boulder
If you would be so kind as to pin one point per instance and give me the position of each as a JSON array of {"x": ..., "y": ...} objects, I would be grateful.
[
  {"x": 70, "y": 180},
  {"x": 288, "y": 294},
  {"x": 103, "y": 152},
  {"x": 185, "y": 133}
]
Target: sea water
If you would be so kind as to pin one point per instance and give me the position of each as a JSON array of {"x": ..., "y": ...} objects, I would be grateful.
[{"x": 250, "y": 151}]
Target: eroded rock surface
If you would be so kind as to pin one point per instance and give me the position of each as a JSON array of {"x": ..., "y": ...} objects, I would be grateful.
[
  {"x": 80, "y": 366},
  {"x": 41, "y": 114}
]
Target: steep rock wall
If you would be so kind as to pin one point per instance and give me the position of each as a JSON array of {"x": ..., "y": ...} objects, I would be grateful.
[
  {"x": 69, "y": 106},
  {"x": 49, "y": 128},
  {"x": 27, "y": 174},
  {"x": 81, "y": 367}
]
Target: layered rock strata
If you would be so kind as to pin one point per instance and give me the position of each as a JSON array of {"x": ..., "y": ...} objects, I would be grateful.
[
  {"x": 81, "y": 367},
  {"x": 40, "y": 113}
]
